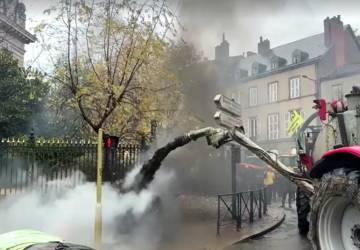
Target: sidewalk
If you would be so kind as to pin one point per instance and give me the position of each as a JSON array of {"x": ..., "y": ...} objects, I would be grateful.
[{"x": 201, "y": 234}]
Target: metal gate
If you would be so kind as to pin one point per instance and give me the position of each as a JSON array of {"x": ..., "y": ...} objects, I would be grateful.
[
  {"x": 248, "y": 206},
  {"x": 51, "y": 163}
]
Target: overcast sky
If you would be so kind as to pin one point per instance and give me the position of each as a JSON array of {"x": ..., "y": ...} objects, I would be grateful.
[{"x": 243, "y": 21}]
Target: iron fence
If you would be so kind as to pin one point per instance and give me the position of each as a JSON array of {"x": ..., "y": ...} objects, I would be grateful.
[
  {"x": 248, "y": 205},
  {"x": 51, "y": 163}
]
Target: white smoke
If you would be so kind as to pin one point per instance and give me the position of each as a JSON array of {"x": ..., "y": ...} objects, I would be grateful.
[
  {"x": 130, "y": 220},
  {"x": 130, "y": 177}
]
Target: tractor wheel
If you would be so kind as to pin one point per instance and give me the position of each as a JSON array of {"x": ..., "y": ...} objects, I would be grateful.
[
  {"x": 303, "y": 209},
  {"x": 335, "y": 212}
]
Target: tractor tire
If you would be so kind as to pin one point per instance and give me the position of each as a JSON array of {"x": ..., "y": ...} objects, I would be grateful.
[
  {"x": 335, "y": 211},
  {"x": 303, "y": 209}
]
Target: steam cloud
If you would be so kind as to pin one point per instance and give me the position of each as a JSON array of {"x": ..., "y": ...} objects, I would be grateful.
[{"x": 130, "y": 220}]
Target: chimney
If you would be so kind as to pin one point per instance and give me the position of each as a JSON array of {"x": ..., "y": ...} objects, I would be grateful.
[
  {"x": 334, "y": 37},
  {"x": 222, "y": 50},
  {"x": 333, "y": 27},
  {"x": 264, "y": 47}
]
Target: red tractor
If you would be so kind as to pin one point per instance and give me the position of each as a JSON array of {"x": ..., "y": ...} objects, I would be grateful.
[
  {"x": 330, "y": 156},
  {"x": 328, "y": 196}
]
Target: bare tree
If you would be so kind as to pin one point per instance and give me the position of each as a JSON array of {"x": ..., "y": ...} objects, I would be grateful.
[{"x": 113, "y": 61}]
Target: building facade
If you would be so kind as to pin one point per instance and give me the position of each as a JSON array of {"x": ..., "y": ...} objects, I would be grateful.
[
  {"x": 13, "y": 34},
  {"x": 272, "y": 82},
  {"x": 339, "y": 84}
]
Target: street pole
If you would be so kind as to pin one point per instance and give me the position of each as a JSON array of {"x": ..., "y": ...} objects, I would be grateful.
[
  {"x": 98, "y": 215},
  {"x": 235, "y": 158},
  {"x": 229, "y": 116}
]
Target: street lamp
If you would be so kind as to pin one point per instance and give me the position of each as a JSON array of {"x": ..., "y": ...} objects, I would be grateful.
[
  {"x": 317, "y": 85},
  {"x": 311, "y": 79}
]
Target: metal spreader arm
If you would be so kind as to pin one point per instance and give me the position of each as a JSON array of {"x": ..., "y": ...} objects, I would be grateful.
[{"x": 219, "y": 137}]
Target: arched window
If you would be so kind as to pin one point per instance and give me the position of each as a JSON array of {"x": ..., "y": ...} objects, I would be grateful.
[
  {"x": 2, "y": 7},
  {"x": 20, "y": 16}
]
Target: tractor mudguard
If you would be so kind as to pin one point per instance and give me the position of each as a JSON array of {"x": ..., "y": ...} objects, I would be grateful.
[{"x": 344, "y": 157}]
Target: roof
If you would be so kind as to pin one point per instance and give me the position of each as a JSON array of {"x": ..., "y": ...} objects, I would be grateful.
[
  {"x": 14, "y": 28},
  {"x": 313, "y": 45}
]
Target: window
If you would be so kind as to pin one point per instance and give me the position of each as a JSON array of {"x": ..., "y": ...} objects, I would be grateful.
[
  {"x": 258, "y": 68},
  {"x": 337, "y": 92},
  {"x": 273, "y": 88},
  {"x": 253, "y": 127},
  {"x": 294, "y": 87},
  {"x": 274, "y": 64},
  {"x": 296, "y": 59},
  {"x": 299, "y": 56},
  {"x": 255, "y": 69},
  {"x": 253, "y": 96},
  {"x": 273, "y": 126}
]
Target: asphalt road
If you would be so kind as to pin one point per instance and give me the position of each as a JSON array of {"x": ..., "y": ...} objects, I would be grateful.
[{"x": 284, "y": 237}]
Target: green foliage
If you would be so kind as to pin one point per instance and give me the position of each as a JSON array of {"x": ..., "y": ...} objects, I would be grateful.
[{"x": 22, "y": 93}]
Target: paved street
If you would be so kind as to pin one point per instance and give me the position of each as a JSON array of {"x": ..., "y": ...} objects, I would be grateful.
[
  {"x": 285, "y": 237},
  {"x": 198, "y": 228}
]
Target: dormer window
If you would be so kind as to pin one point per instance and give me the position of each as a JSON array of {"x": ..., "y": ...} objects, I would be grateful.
[
  {"x": 254, "y": 69},
  {"x": 277, "y": 62},
  {"x": 274, "y": 64},
  {"x": 299, "y": 56},
  {"x": 258, "y": 68},
  {"x": 296, "y": 59},
  {"x": 243, "y": 73}
]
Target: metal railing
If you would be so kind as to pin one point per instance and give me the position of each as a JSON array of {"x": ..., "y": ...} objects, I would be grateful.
[
  {"x": 51, "y": 163},
  {"x": 248, "y": 206}
]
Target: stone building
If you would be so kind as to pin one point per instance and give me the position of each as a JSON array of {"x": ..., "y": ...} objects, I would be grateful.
[
  {"x": 272, "y": 82},
  {"x": 335, "y": 86},
  {"x": 13, "y": 34}
]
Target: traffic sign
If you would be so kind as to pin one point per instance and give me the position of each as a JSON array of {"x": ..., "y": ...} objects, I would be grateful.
[
  {"x": 227, "y": 120},
  {"x": 228, "y": 105}
]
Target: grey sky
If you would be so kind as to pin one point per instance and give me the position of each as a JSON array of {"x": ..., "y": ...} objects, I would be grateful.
[{"x": 243, "y": 21}]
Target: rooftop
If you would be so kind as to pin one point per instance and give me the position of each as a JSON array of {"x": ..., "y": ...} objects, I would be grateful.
[
  {"x": 314, "y": 46},
  {"x": 14, "y": 28}
]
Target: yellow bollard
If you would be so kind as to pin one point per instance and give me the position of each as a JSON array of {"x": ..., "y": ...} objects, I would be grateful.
[{"x": 98, "y": 215}]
